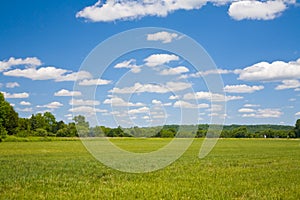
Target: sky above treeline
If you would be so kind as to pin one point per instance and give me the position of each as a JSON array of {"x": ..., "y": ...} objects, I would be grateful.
[{"x": 254, "y": 45}]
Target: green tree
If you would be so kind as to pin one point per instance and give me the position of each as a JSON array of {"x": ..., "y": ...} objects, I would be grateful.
[
  {"x": 81, "y": 125},
  {"x": 200, "y": 132},
  {"x": 80, "y": 121},
  {"x": 240, "y": 132},
  {"x": 297, "y": 128},
  {"x": 50, "y": 122},
  {"x": 166, "y": 133},
  {"x": 8, "y": 117}
]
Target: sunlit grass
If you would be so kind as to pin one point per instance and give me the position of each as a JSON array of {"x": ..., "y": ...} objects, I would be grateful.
[{"x": 235, "y": 169}]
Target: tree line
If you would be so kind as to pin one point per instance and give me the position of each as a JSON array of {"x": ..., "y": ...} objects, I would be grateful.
[{"x": 46, "y": 125}]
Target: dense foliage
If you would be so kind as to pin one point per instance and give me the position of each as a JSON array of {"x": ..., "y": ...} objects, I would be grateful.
[{"x": 46, "y": 125}]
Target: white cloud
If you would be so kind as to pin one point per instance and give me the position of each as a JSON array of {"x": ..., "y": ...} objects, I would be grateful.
[
  {"x": 248, "y": 105},
  {"x": 81, "y": 102},
  {"x": 48, "y": 73},
  {"x": 210, "y": 96},
  {"x": 276, "y": 71},
  {"x": 146, "y": 117},
  {"x": 173, "y": 97},
  {"x": 94, "y": 82},
  {"x": 152, "y": 88},
  {"x": 185, "y": 104},
  {"x": 24, "y": 109},
  {"x": 160, "y": 59},
  {"x": 12, "y": 85},
  {"x": 129, "y": 64},
  {"x": 264, "y": 113},
  {"x": 242, "y": 88},
  {"x": 25, "y": 103},
  {"x": 15, "y": 95},
  {"x": 174, "y": 71},
  {"x": 163, "y": 36},
  {"x": 246, "y": 110},
  {"x": 205, "y": 73},
  {"x": 221, "y": 115},
  {"x": 52, "y": 105},
  {"x": 288, "y": 84},
  {"x": 162, "y": 116},
  {"x": 258, "y": 10},
  {"x": 86, "y": 109},
  {"x": 113, "y": 10},
  {"x": 43, "y": 73},
  {"x": 67, "y": 93},
  {"x": 157, "y": 102},
  {"x": 117, "y": 101},
  {"x": 292, "y": 99},
  {"x": 139, "y": 110},
  {"x": 74, "y": 76},
  {"x": 30, "y": 61},
  {"x": 297, "y": 114}
]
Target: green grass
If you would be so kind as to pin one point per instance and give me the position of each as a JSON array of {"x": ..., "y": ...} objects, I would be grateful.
[{"x": 235, "y": 169}]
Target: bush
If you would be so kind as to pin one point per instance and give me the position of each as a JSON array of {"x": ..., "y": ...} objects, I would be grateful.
[
  {"x": 41, "y": 132},
  {"x": 3, "y": 133}
]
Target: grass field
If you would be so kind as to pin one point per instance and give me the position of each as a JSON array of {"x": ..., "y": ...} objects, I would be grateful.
[{"x": 235, "y": 169}]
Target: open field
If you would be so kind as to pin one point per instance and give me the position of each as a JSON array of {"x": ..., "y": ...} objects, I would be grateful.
[{"x": 235, "y": 169}]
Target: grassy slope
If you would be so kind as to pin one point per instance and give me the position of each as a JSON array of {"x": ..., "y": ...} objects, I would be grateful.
[{"x": 235, "y": 169}]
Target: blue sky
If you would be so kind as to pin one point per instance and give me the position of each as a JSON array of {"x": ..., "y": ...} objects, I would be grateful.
[{"x": 254, "y": 44}]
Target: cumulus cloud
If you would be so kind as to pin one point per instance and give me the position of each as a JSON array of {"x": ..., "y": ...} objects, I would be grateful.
[
  {"x": 246, "y": 110},
  {"x": 242, "y": 88},
  {"x": 24, "y": 109},
  {"x": 91, "y": 82},
  {"x": 81, "y": 102},
  {"x": 185, "y": 104},
  {"x": 210, "y": 96},
  {"x": 205, "y": 73},
  {"x": 139, "y": 110},
  {"x": 129, "y": 64},
  {"x": 12, "y": 85},
  {"x": 67, "y": 93},
  {"x": 163, "y": 36},
  {"x": 48, "y": 73},
  {"x": 113, "y": 10},
  {"x": 174, "y": 71},
  {"x": 275, "y": 71},
  {"x": 86, "y": 109},
  {"x": 30, "y": 61},
  {"x": 74, "y": 76},
  {"x": 288, "y": 84},
  {"x": 43, "y": 73},
  {"x": 117, "y": 101},
  {"x": 264, "y": 113},
  {"x": 52, "y": 105},
  {"x": 25, "y": 103},
  {"x": 160, "y": 59},
  {"x": 173, "y": 97},
  {"x": 152, "y": 88},
  {"x": 157, "y": 102},
  {"x": 259, "y": 10},
  {"x": 22, "y": 95},
  {"x": 248, "y": 105},
  {"x": 297, "y": 114}
]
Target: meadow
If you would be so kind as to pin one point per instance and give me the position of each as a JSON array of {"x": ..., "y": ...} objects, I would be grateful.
[{"x": 235, "y": 169}]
